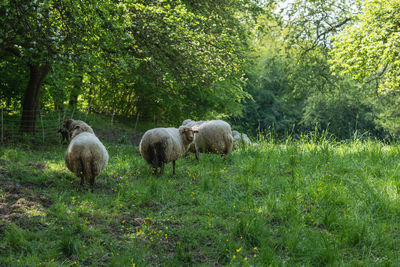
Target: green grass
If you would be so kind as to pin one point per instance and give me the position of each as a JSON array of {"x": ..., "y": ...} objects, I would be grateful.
[{"x": 308, "y": 202}]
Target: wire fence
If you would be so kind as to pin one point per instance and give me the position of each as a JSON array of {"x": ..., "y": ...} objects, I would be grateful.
[{"x": 49, "y": 122}]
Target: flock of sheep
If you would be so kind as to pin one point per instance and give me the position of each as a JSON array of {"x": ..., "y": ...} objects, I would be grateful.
[{"x": 86, "y": 156}]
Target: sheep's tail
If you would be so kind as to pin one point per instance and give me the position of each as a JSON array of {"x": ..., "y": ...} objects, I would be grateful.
[
  {"x": 90, "y": 169},
  {"x": 156, "y": 153}
]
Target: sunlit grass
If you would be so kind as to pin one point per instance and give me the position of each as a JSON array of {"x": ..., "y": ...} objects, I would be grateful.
[{"x": 306, "y": 201}]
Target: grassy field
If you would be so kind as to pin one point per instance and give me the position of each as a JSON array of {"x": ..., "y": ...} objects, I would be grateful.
[{"x": 307, "y": 202}]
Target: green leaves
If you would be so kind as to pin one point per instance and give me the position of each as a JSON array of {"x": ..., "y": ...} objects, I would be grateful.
[
  {"x": 140, "y": 56},
  {"x": 369, "y": 49}
]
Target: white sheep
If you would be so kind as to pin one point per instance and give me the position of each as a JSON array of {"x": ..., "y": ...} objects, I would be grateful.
[
  {"x": 193, "y": 124},
  {"x": 162, "y": 145},
  {"x": 86, "y": 156},
  {"x": 214, "y": 136},
  {"x": 240, "y": 139},
  {"x": 70, "y": 124}
]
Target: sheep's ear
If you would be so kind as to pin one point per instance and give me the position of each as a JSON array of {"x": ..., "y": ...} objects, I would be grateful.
[{"x": 77, "y": 127}]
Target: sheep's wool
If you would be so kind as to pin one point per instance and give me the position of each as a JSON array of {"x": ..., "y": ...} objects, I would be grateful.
[
  {"x": 214, "y": 136},
  {"x": 86, "y": 149},
  {"x": 167, "y": 142}
]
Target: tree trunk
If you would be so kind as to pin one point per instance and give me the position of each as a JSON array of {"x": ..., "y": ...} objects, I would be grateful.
[
  {"x": 73, "y": 97},
  {"x": 37, "y": 75}
]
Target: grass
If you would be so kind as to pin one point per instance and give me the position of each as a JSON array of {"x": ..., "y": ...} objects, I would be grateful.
[{"x": 311, "y": 201}]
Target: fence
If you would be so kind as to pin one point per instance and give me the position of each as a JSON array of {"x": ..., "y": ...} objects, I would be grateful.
[
  {"x": 46, "y": 128},
  {"x": 110, "y": 127}
]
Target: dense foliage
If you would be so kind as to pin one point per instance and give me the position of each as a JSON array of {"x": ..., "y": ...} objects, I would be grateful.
[
  {"x": 168, "y": 59},
  {"x": 368, "y": 51},
  {"x": 289, "y": 66}
]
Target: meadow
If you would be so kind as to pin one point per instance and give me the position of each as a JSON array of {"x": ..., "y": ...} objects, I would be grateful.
[{"x": 301, "y": 201}]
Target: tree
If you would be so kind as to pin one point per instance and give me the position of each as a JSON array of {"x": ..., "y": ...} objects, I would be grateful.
[
  {"x": 311, "y": 23},
  {"x": 368, "y": 51},
  {"x": 140, "y": 56},
  {"x": 41, "y": 33},
  {"x": 292, "y": 85}
]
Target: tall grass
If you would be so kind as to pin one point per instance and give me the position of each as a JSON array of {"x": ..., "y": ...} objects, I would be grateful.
[{"x": 310, "y": 200}]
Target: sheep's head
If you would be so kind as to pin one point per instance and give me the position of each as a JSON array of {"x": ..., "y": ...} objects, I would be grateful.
[
  {"x": 187, "y": 133},
  {"x": 67, "y": 123},
  {"x": 64, "y": 135},
  {"x": 80, "y": 129}
]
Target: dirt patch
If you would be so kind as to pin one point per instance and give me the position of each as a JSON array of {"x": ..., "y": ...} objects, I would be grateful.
[
  {"x": 38, "y": 164},
  {"x": 119, "y": 136},
  {"x": 18, "y": 201},
  {"x": 19, "y": 210},
  {"x": 135, "y": 221}
]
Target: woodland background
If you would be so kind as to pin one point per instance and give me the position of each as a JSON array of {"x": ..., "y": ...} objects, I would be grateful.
[{"x": 282, "y": 66}]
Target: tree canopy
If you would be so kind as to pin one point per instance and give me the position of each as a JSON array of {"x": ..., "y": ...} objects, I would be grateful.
[
  {"x": 369, "y": 49},
  {"x": 170, "y": 58},
  {"x": 288, "y": 66}
]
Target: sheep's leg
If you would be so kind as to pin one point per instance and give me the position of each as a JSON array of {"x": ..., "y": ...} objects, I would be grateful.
[
  {"x": 173, "y": 167},
  {"x": 162, "y": 168},
  {"x": 197, "y": 155}
]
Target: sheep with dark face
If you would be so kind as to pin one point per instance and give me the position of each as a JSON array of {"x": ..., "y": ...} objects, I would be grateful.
[
  {"x": 86, "y": 156},
  {"x": 70, "y": 124},
  {"x": 162, "y": 145}
]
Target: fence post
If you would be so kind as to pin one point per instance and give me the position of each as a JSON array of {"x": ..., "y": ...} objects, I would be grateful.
[
  {"x": 65, "y": 111},
  {"x": 2, "y": 125},
  {"x": 59, "y": 119},
  {"x": 137, "y": 119},
  {"x": 87, "y": 112},
  {"x": 41, "y": 121},
  {"x": 72, "y": 115},
  {"x": 112, "y": 117}
]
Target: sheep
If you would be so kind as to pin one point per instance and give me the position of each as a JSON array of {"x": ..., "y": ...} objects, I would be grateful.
[
  {"x": 191, "y": 123},
  {"x": 70, "y": 124},
  {"x": 235, "y": 133},
  {"x": 246, "y": 139},
  {"x": 240, "y": 139},
  {"x": 86, "y": 156},
  {"x": 214, "y": 136},
  {"x": 162, "y": 145}
]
